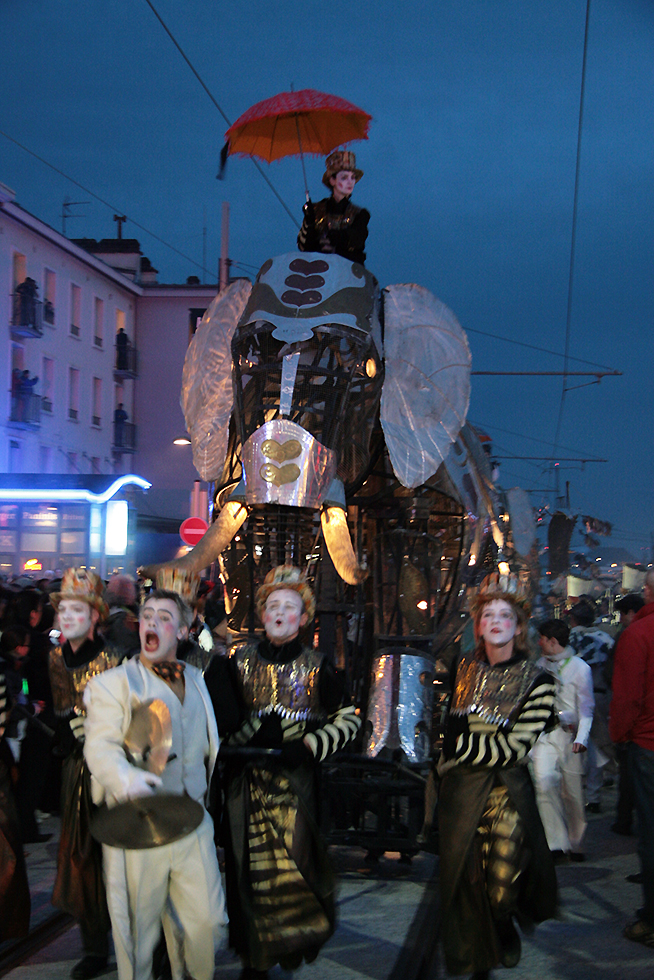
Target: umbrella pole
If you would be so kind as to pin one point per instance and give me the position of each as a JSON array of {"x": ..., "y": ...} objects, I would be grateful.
[{"x": 299, "y": 141}]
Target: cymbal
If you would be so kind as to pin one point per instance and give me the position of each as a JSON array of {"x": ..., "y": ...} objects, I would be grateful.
[
  {"x": 149, "y": 738},
  {"x": 149, "y": 821}
]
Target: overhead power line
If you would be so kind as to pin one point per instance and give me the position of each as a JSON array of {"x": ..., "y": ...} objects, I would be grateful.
[
  {"x": 541, "y": 350},
  {"x": 100, "y": 199},
  {"x": 218, "y": 107}
]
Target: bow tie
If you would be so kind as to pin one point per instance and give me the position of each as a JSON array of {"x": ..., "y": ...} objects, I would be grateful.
[{"x": 169, "y": 670}]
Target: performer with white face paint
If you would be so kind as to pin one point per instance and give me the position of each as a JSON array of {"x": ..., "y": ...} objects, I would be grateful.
[
  {"x": 335, "y": 224},
  {"x": 494, "y": 858},
  {"x": 184, "y": 872},
  {"x": 283, "y": 695},
  {"x": 79, "y": 887}
]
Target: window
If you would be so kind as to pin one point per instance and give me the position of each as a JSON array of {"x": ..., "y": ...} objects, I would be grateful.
[
  {"x": 75, "y": 310},
  {"x": 45, "y": 459},
  {"x": 95, "y": 464},
  {"x": 72, "y": 462},
  {"x": 120, "y": 320},
  {"x": 98, "y": 322},
  {"x": 73, "y": 394},
  {"x": 97, "y": 402},
  {"x": 49, "y": 296},
  {"x": 47, "y": 386}
]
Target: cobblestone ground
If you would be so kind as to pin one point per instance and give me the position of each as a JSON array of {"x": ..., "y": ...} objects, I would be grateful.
[{"x": 380, "y": 905}]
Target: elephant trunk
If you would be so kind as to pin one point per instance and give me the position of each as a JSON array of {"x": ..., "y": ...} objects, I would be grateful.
[
  {"x": 339, "y": 545},
  {"x": 210, "y": 545}
]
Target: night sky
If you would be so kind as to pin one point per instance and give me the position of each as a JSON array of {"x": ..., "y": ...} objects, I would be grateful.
[{"x": 469, "y": 178}]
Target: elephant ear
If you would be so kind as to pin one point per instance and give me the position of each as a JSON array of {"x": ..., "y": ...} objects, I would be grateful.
[
  {"x": 427, "y": 381},
  {"x": 207, "y": 398}
]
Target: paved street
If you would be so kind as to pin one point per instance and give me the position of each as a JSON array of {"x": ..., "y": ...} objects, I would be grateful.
[{"x": 387, "y": 913}]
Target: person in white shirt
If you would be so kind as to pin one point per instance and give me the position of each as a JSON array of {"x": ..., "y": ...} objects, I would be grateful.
[
  {"x": 143, "y": 884},
  {"x": 557, "y": 759}
]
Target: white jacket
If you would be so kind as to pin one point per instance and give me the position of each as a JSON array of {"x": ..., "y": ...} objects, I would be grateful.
[
  {"x": 575, "y": 702},
  {"x": 109, "y": 699}
]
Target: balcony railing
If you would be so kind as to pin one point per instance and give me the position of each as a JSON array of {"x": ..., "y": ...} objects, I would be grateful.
[
  {"x": 126, "y": 362},
  {"x": 124, "y": 437},
  {"x": 26, "y": 410},
  {"x": 26, "y": 315}
]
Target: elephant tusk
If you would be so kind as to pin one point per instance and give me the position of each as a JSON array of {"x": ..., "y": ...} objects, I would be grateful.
[
  {"x": 210, "y": 545},
  {"x": 339, "y": 545}
]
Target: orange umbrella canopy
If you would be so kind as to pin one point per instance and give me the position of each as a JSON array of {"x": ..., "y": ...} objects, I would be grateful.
[{"x": 293, "y": 123}]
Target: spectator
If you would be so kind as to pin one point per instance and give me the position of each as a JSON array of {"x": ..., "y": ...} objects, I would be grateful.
[
  {"x": 122, "y": 347},
  {"x": 627, "y": 607},
  {"x": 632, "y": 723},
  {"x": 557, "y": 756},
  {"x": 120, "y": 418},
  {"x": 25, "y": 386},
  {"x": 594, "y": 645}
]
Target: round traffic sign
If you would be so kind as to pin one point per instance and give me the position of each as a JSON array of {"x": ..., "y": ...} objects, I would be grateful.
[{"x": 192, "y": 529}]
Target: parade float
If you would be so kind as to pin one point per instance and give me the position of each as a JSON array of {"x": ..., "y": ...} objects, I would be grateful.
[{"x": 328, "y": 415}]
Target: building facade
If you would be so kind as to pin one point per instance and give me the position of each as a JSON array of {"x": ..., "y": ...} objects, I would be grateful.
[{"x": 92, "y": 364}]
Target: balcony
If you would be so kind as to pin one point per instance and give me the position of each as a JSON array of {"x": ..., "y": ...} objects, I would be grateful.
[
  {"x": 26, "y": 314},
  {"x": 124, "y": 437},
  {"x": 25, "y": 411},
  {"x": 126, "y": 362}
]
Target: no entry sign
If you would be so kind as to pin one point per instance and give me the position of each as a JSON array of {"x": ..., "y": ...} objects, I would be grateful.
[{"x": 192, "y": 529}]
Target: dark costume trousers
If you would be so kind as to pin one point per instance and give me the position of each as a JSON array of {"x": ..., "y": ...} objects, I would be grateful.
[
  {"x": 280, "y": 890},
  {"x": 79, "y": 886},
  {"x": 470, "y": 936}
]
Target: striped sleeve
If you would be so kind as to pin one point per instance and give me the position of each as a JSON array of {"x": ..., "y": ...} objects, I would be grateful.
[
  {"x": 4, "y": 710},
  {"x": 506, "y": 748},
  {"x": 340, "y": 729}
]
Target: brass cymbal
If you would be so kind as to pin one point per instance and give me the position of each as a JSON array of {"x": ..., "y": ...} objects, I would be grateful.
[
  {"x": 149, "y": 738},
  {"x": 149, "y": 821}
]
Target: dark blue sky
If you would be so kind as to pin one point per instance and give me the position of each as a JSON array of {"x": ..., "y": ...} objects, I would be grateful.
[{"x": 469, "y": 177}]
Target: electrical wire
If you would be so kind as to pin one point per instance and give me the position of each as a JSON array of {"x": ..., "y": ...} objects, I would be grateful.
[
  {"x": 101, "y": 200},
  {"x": 541, "y": 350},
  {"x": 573, "y": 236},
  {"x": 520, "y": 435},
  {"x": 225, "y": 117}
]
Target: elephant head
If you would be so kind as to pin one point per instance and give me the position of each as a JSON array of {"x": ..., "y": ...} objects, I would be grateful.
[{"x": 289, "y": 373}]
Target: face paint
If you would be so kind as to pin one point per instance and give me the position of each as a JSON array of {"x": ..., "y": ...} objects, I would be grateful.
[
  {"x": 159, "y": 630},
  {"x": 498, "y": 623},
  {"x": 343, "y": 184},
  {"x": 283, "y": 616},
  {"x": 76, "y": 619}
]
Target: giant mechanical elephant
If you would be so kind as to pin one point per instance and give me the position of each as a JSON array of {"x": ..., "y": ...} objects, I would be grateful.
[{"x": 322, "y": 407}]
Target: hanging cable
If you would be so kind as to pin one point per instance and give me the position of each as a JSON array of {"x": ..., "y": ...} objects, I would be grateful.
[
  {"x": 100, "y": 199},
  {"x": 227, "y": 120},
  {"x": 573, "y": 237},
  {"x": 541, "y": 350}
]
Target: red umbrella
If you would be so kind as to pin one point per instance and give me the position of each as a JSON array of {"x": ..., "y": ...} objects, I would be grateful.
[{"x": 294, "y": 123}]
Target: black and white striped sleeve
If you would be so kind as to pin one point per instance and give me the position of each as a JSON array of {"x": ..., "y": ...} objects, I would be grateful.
[
  {"x": 500, "y": 748},
  {"x": 4, "y": 706},
  {"x": 342, "y": 726}
]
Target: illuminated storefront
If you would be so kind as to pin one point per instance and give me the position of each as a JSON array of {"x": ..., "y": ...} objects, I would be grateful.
[{"x": 48, "y": 523}]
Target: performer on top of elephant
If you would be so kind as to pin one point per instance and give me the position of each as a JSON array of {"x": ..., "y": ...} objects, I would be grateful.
[
  {"x": 79, "y": 887},
  {"x": 283, "y": 695},
  {"x": 335, "y": 224},
  {"x": 495, "y": 862}
]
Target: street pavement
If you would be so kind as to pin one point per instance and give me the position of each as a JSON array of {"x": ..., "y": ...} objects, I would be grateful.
[{"x": 388, "y": 917}]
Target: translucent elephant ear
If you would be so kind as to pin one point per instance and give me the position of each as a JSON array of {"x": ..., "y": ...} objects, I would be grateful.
[
  {"x": 207, "y": 397},
  {"x": 427, "y": 381}
]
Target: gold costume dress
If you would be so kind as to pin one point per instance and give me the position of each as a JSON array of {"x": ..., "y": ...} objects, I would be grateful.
[
  {"x": 494, "y": 860},
  {"x": 280, "y": 889},
  {"x": 79, "y": 886}
]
